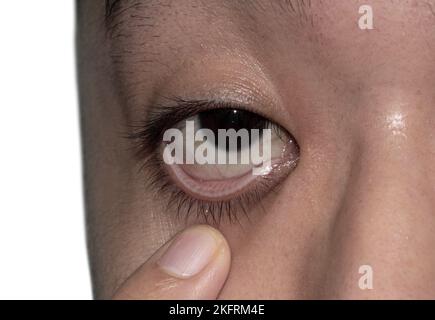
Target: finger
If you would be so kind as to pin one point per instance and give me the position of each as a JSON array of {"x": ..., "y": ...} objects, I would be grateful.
[{"x": 193, "y": 265}]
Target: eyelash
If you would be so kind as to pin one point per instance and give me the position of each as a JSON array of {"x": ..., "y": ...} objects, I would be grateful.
[
  {"x": 212, "y": 212},
  {"x": 146, "y": 138}
]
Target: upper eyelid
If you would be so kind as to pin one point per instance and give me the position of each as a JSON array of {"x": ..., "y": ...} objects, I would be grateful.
[{"x": 180, "y": 109}]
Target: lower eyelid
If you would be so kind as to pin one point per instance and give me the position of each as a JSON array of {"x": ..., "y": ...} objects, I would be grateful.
[
  {"x": 212, "y": 189},
  {"x": 223, "y": 189},
  {"x": 216, "y": 171}
]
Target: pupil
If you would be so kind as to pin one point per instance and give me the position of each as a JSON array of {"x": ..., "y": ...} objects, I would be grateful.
[{"x": 231, "y": 119}]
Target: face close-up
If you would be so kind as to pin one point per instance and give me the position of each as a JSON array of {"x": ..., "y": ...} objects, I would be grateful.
[{"x": 346, "y": 210}]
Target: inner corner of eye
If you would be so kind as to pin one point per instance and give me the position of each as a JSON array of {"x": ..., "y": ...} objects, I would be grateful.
[{"x": 220, "y": 153}]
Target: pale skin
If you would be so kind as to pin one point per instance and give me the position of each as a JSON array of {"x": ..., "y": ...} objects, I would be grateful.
[{"x": 359, "y": 103}]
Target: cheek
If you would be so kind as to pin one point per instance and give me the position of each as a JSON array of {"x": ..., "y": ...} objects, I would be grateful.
[
  {"x": 273, "y": 258},
  {"x": 260, "y": 266},
  {"x": 279, "y": 252}
]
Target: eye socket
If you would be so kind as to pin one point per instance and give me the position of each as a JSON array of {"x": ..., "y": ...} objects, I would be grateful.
[
  {"x": 233, "y": 133},
  {"x": 211, "y": 191}
]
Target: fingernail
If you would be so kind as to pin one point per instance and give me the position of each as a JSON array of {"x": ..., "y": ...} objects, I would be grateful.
[{"x": 189, "y": 253}]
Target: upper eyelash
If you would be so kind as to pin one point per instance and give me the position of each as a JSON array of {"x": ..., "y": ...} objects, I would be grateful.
[{"x": 148, "y": 135}]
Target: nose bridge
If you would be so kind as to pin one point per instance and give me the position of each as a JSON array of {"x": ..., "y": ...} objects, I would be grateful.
[{"x": 386, "y": 224}]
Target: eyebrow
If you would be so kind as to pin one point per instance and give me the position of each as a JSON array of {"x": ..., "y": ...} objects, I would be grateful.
[
  {"x": 301, "y": 9},
  {"x": 110, "y": 6}
]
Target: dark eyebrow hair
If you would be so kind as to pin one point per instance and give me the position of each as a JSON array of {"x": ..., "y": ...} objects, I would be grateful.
[
  {"x": 113, "y": 8},
  {"x": 110, "y": 6},
  {"x": 299, "y": 8}
]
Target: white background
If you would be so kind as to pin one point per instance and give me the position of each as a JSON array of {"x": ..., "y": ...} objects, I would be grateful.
[{"x": 42, "y": 239}]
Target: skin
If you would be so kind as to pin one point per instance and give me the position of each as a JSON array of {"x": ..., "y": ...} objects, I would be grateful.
[{"x": 359, "y": 103}]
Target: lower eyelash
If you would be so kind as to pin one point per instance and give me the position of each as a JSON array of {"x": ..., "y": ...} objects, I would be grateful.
[{"x": 212, "y": 212}]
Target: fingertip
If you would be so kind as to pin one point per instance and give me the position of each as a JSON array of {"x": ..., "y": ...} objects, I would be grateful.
[
  {"x": 193, "y": 265},
  {"x": 192, "y": 250}
]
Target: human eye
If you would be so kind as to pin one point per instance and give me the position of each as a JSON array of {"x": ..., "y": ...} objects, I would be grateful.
[{"x": 213, "y": 159}]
